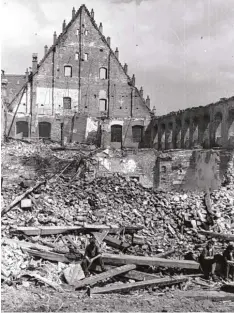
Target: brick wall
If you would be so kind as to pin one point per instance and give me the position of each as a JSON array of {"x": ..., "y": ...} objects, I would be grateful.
[{"x": 49, "y": 85}]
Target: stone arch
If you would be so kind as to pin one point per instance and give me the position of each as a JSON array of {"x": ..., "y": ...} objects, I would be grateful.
[
  {"x": 22, "y": 127},
  {"x": 231, "y": 127},
  {"x": 194, "y": 132},
  {"x": 44, "y": 130},
  {"x": 162, "y": 141},
  {"x": 177, "y": 135},
  {"x": 155, "y": 136},
  {"x": 186, "y": 134},
  {"x": 169, "y": 141},
  {"x": 217, "y": 129},
  {"x": 204, "y": 134}
]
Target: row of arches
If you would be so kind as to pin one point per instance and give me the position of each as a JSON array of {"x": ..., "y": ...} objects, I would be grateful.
[{"x": 189, "y": 132}]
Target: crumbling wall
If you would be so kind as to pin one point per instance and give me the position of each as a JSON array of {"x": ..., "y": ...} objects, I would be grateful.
[
  {"x": 207, "y": 127},
  {"x": 191, "y": 170}
]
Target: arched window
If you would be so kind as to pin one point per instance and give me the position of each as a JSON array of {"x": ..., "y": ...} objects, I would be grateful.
[
  {"x": 68, "y": 71},
  {"x": 102, "y": 105},
  {"x": 103, "y": 73},
  {"x": 67, "y": 103},
  {"x": 116, "y": 133},
  {"x": 86, "y": 32},
  {"x": 137, "y": 133}
]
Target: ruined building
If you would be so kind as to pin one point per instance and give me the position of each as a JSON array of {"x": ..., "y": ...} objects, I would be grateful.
[
  {"x": 79, "y": 91},
  {"x": 206, "y": 127}
]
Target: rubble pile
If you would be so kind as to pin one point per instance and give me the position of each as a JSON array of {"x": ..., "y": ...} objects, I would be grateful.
[
  {"x": 73, "y": 196},
  {"x": 169, "y": 220}
]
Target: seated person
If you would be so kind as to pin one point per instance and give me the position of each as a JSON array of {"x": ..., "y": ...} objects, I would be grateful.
[
  {"x": 207, "y": 260},
  {"x": 228, "y": 257},
  {"x": 92, "y": 257}
]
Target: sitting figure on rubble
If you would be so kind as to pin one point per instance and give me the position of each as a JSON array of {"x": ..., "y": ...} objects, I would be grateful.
[
  {"x": 207, "y": 260},
  {"x": 92, "y": 257},
  {"x": 229, "y": 261}
]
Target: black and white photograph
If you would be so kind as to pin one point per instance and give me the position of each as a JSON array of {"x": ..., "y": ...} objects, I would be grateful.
[{"x": 117, "y": 155}]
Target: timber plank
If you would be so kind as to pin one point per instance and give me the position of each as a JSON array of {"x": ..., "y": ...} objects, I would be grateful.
[
  {"x": 52, "y": 256},
  {"x": 229, "y": 237},
  {"x": 143, "y": 284},
  {"x": 110, "y": 273},
  {"x": 148, "y": 261}
]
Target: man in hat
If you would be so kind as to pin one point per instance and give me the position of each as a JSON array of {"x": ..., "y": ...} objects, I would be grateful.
[
  {"x": 92, "y": 257},
  {"x": 229, "y": 261},
  {"x": 207, "y": 260}
]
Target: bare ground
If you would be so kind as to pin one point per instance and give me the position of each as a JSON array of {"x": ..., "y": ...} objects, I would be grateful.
[{"x": 43, "y": 299}]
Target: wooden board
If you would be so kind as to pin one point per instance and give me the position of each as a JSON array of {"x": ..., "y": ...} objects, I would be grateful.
[
  {"x": 53, "y": 230},
  {"x": 100, "y": 277},
  {"x": 148, "y": 261},
  {"x": 229, "y": 237},
  {"x": 153, "y": 282},
  {"x": 52, "y": 256}
]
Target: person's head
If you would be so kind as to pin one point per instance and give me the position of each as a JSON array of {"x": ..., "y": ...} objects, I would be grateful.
[
  {"x": 230, "y": 247},
  {"x": 210, "y": 244},
  {"x": 92, "y": 241}
]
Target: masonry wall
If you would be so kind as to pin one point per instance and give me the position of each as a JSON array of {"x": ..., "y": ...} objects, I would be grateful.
[{"x": 85, "y": 120}]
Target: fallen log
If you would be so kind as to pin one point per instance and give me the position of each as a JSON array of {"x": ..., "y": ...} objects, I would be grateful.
[
  {"x": 19, "y": 198},
  {"x": 117, "y": 259},
  {"x": 228, "y": 237},
  {"x": 153, "y": 282},
  {"x": 108, "y": 274}
]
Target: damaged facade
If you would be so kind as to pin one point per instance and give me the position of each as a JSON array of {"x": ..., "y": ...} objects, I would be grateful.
[{"x": 80, "y": 92}]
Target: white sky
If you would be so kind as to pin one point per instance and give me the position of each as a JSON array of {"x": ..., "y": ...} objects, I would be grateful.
[{"x": 181, "y": 51}]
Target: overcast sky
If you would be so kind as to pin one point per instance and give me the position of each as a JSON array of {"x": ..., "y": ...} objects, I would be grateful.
[{"x": 181, "y": 51}]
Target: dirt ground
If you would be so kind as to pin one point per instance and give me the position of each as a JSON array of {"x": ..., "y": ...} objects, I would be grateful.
[{"x": 43, "y": 299}]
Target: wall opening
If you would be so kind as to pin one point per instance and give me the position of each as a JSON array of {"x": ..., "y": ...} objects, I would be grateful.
[
  {"x": 44, "y": 130},
  {"x": 86, "y": 56},
  {"x": 116, "y": 133},
  {"x": 185, "y": 136},
  {"x": 177, "y": 137},
  {"x": 217, "y": 129},
  {"x": 22, "y": 127},
  {"x": 76, "y": 56},
  {"x": 67, "y": 103},
  {"x": 137, "y": 133},
  {"x": 231, "y": 127},
  {"x": 162, "y": 140},
  {"x": 67, "y": 71},
  {"x": 103, "y": 73},
  {"x": 102, "y": 105}
]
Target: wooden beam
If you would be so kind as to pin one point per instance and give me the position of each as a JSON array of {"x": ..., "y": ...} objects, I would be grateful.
[
  {"x": 53, "y": 230},
  {"x": 108, "y": 274},
  {"x": 52, "y": 256},
  {"x": 24, "y": 244},
  {"x": 153, "y": 282},
  {"x": 148, "y": 261},
  {"x": 228, "y": 237},
  {"x": 19, "y": 198}
]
